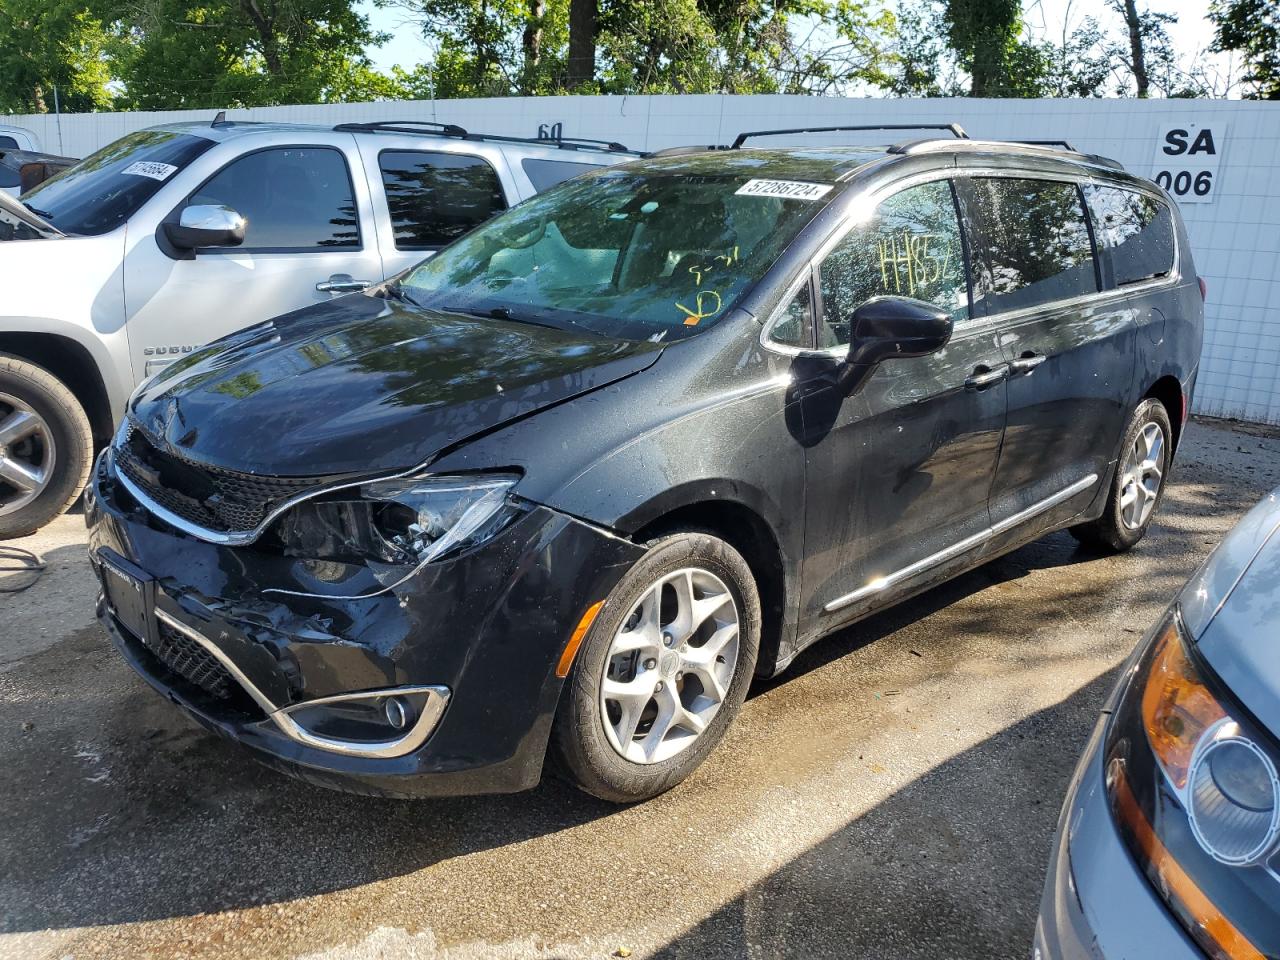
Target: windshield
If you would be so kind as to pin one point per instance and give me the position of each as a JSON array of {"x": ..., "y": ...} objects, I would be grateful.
[
  {"x": 102, "y": 191},
  {"x": 638, "y": 256}
]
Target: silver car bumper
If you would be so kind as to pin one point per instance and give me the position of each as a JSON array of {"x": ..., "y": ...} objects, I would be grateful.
[{"x": 1097, "y": 902}]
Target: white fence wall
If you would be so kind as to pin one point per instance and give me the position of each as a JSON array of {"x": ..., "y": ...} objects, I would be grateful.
[{"x": 1235, "y": 237}]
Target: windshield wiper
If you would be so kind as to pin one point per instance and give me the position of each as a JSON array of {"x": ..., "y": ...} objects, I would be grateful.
[
  {"x": 45, "y": 214},
  {"x": 394, "y": 290},
  {"x": 501, "y": 313}
]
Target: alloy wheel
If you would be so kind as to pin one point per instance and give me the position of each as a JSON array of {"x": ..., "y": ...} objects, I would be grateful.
[
  {"x": 27, "y": 454},
  {"x": 670, "y": 666},
  {"x": 1142, "y": 472}
]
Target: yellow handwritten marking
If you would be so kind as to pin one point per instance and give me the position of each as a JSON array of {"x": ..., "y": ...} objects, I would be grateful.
[
  {"x": 908, "y": 258},
  {"x": 698, "y": 313}
]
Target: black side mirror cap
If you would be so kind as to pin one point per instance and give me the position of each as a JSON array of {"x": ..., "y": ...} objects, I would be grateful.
[{"x": 889, "y": 327}]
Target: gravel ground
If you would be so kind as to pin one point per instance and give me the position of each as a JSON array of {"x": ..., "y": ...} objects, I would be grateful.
[{"x": 893, "y": 795}]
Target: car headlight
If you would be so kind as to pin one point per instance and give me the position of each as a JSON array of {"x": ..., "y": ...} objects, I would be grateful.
[
  {"x": 1193, "y": 787},
  {"x": 399, "y": 523}
]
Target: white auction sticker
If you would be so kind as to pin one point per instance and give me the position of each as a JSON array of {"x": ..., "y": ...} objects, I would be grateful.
[
  {"x": 786, "y": 189},
  {"x": 150, "y": 168}
]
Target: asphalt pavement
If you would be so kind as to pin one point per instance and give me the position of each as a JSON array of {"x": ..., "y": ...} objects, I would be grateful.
[{"x": 893, "y": 795}]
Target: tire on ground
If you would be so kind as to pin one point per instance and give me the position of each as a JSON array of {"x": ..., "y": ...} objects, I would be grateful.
[
  {"x": 1109, "y": 532},
  {"x": 72, "y": 444},
  {"x": 580, "y": 748}
]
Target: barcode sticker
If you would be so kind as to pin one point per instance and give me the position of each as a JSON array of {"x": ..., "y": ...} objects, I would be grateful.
[
  {"x": 150, "y": 168},
  {"x": 786, "y": 189}
]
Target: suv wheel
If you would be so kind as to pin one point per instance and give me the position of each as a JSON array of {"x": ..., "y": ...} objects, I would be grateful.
[
  {"x": 1139, "y": 482},
  {"x": 663, "y": 672},
  {"x": 46, "y": 447}
]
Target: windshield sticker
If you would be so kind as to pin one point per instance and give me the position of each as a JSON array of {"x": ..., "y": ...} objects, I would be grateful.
[
  {"x": 786, "y": 189},
  {"x": 150, "y": 168}
]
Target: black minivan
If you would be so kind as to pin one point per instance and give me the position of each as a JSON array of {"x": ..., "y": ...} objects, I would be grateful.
[{"x": 563, "y": 489}]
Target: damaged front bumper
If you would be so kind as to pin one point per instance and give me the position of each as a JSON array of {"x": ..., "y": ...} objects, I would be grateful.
[{"x": 464, "y": 653}]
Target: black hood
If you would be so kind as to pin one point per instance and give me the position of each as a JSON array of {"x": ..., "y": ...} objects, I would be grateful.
[{"x": 366, "y": 385}]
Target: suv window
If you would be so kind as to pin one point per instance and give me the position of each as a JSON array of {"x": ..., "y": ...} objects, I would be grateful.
[
  {"x": 1135, "y": 231},
  {"x": 434, "y": 198},
  {"x": 294, "y": 199},
  {"x": 545, "y": 174},
  {"x": 1033, "y": 244},
  {"x": 910, "y": 247},
  {"x": 7, "y": 142}
]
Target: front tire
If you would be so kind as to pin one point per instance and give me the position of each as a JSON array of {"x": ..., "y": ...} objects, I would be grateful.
[
  {"x": 46, "y": 447},
  {"x": 664, "y": 670},
  {"x": 1137, "y": 489}
]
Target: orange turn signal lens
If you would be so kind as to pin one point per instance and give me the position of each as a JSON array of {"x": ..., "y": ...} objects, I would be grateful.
[
  {"x": 575, "y": 641},
  {"x": 1176, "y": 707},
  {"x": 1219, "y": 937}
]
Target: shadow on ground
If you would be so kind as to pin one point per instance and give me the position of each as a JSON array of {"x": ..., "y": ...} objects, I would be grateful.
[{"x": 913, "y": 877}]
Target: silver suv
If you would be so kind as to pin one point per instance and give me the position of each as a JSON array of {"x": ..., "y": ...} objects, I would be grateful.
[{"x": 174, "y": 236}]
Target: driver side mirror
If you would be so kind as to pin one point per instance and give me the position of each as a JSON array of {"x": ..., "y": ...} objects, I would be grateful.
[
  {"x": 888, "y": 327},
  {"x": 206, "y": 226}
]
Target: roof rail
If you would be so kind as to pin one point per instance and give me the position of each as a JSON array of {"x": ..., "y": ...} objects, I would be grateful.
[
  {"x": 430, "y": 128},
  {"x": 954, "y": 128},
  {"x": 1049, "y": 143},
  {"x": 1049, "y": 147}
]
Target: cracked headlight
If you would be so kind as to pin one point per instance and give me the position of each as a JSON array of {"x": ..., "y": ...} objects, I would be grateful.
[{"x": 405, "y": 522}]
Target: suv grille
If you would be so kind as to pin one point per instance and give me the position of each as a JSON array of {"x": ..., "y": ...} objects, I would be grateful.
[
  {"x": 193, "y": 662},
  {"x": 212, "y": 498}
]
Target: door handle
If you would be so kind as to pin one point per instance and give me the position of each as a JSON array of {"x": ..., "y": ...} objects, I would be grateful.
[
  {"x": 984, "y": 377},
  {"x": 1025, "y": 364},
  {"x": 342, "y": 283}
]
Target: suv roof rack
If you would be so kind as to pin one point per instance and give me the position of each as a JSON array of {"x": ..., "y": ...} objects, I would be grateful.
[
  {"x": 953, "y": 128},
  {"x": 430, "y": 128},
  {"x": 1061, "y": 144},
  {"x": 1040, "y": 147}
]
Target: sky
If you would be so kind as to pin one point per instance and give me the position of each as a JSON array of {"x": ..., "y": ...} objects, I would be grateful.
[{"x": 1190, "y": 34}]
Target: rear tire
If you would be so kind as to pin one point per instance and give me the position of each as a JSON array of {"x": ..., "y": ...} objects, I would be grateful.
[
  {"x": 1137, "y": 489},
  {"x": 46, "y": 447},
  {"x": 664, "y": 670}
]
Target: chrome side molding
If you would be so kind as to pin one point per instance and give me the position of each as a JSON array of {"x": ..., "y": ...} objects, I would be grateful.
[{"x": 964, "y": 546}]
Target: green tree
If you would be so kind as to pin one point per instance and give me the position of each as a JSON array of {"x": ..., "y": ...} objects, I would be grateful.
[
  {"x": 226, "y": 53},
  {"x": 54, "y": 43},
  {"x": 984, "y": 35},
  {"x": 1252, "y": 29}
]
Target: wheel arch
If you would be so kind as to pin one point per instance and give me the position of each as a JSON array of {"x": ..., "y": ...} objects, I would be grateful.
[
  {"x": 1168, "y": 390},
  {"x": 71, "y": 362},
  {"x": 745, "y": 529}
]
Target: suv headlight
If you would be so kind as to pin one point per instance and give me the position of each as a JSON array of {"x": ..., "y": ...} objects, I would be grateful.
[
  {"x": 399, "y": 523},
  {"x": 1193, "y": 788}
]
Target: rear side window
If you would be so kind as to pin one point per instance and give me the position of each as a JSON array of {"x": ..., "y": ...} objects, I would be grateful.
[
  {"x": 910, "y": 247},
  {"x": 7, "y": 142},
  {"x": 1032, "y": 244},
  {"x": 294, "y": 199},
  {"x": 434, "y": 198},
  {"x": 1135, "y": 233},
  {"x": 544, "y": 174}
]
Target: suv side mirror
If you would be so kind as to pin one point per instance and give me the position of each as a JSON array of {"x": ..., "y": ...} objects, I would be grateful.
[
  {"x": 206, "y": 226},
  {"x": 888, "y": 327}
]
